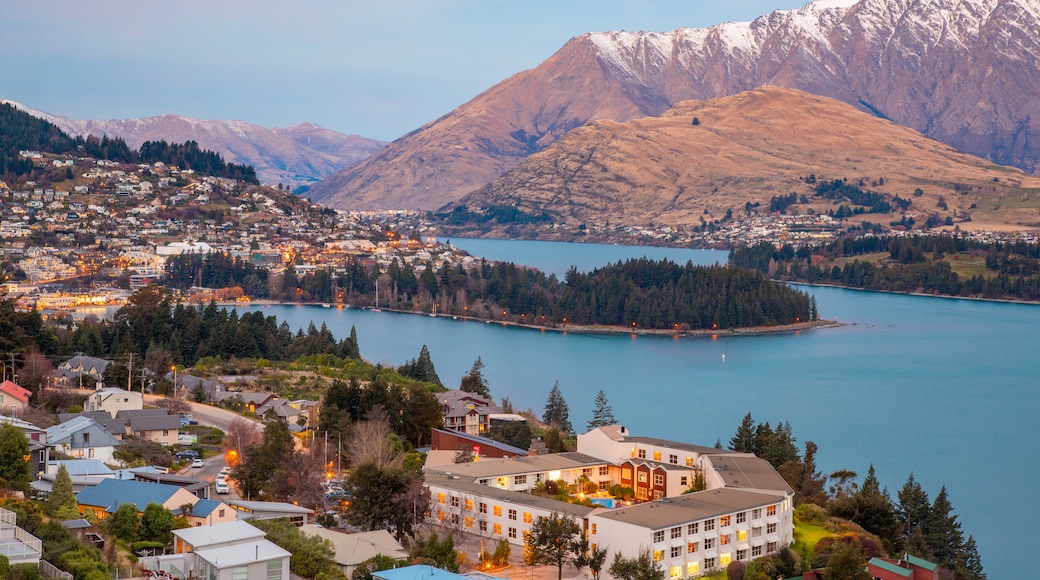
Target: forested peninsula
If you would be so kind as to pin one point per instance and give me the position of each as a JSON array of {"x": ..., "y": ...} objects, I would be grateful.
[
  {"x": 639, "y": 294},
  {"x": 947, "y": 265}
]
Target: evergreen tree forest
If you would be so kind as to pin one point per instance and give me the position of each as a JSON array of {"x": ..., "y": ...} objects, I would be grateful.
[
  {"x": 21, "y": 131},
  {"x": 910, "y": 523},
  {"x": 918, "y": 264},
  {"x": 639, "y": 294}
]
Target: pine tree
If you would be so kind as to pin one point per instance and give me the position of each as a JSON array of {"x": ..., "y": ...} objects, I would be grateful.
[
  {"x": 602, "y": 414},
  {"x": 556, "y": 411},
  {"x": 943, "y": 532},
  {"x": 912, "y": 511},
  {"x": 972, "y": 567},
  {"x": 61, "y": 503},
  {"x": 813, "y": 481},
  {"x": 875, "y": 512},
  {"x": 474, "y": 381},
  {"x": 744, "y": 439}
]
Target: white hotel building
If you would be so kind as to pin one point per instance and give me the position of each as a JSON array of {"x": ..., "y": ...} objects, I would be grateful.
[{"x": 745, "y": 512}]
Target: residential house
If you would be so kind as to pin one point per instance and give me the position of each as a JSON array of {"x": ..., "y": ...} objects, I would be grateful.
[
  {"x": 269, "y": 510},
  {"x": 106, "y": 497},
  {"x": 466, "y": 412},
  {"x": 39, "y": 450},
  {"x": 71, "y": 372},
  {"x": 113, "y": 400},
  {"x": 907, "y": 568},
  {"x": 223, "y": 551},
  {"x": 161, "y": 428},
  {"x": 83, "y": 438},
  {"x": 114, "y": 425},
  {"x": 14, "y": 398},
  {"x": 353, "y": 549},
  {"x": 248, "y": 400}
]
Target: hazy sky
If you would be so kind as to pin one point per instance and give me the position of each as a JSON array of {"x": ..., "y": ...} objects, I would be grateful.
[{"x": 377, "y": 69}]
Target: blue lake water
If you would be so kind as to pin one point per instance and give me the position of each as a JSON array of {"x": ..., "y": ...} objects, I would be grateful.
[{"x": 946, "y": 389}]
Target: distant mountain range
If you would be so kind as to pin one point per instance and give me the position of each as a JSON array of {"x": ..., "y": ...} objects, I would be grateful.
[
  {"x": 701, "y": 159},
  {"x": 294, "y": 156},
  {"x": 964, "y": 72}
]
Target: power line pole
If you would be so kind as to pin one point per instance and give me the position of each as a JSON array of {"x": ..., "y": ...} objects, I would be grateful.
[{"x": 129, "y": 371}]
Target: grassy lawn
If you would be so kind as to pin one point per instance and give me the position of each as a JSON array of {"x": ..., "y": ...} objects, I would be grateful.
[
  {"x": 806, "y": 536},
  {"x": 967, "y": 265}
]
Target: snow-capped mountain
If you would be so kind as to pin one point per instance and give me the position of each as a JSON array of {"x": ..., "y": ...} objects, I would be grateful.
[
  {"x": 293, "y": 156},
  {"x": 965, "y": 72}
]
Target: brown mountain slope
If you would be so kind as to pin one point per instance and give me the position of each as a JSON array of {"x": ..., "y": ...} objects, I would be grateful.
[
  {"x": 750, "y": 147},
  {"x": 965, "y": 72}
]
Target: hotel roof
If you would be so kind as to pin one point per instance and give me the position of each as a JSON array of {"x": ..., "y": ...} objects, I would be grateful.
[
  {"x": 748, "y": 472},
  {"x": 520, "y": 465},
  {"x": 690, "y": 507}
]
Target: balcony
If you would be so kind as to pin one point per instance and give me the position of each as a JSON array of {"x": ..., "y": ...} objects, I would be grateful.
[{"x": 19, "y": 546}]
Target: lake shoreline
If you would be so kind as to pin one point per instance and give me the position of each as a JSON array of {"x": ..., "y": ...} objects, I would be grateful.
[{"x": 573, "y": 328}]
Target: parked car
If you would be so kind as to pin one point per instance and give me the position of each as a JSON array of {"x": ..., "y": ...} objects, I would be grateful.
[
  {"x": 188, "y": 454},
  {"x": 197, "y": 462},
  {"x": 222, "y": 487}
]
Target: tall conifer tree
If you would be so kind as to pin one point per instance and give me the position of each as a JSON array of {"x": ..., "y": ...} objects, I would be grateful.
[
  {"x": 602, "y": 413},
  {"x": 556, "y": 411}
]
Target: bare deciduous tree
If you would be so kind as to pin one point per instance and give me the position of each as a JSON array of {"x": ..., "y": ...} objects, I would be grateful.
[{"x": 372, "y": 441}]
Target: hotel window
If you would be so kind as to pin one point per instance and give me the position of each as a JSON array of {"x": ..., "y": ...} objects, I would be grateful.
[
  {"x": 692, "y": 568},
  {"x": 587, "y": 472},
  {"x": 771, "y": 510},
  {"x": 675, "y": 572},
  {"x": 519, "y": 479},
  {"x": 454, "y": 501},
  {"x": 658, "y": 555},
  {"x": 454, "y": 519},
  {"x": 756, "y": 532},
  {"x": 527, "y": 517},
  {"x": 741, "y": 555},
  {"x": 502, "y": 482},
  {"x": 626, "y": 473},
  {"x": 741, "y": 517},
  {"x": 658, "y": 479},
  {"x": 657, "y": 455},
  {"x": 756, "y": 551},
  {"x": 724, "y": 521},
  {"x": 724, "y": 539},
  {"x": 689, "y": 462},
  {"x": 770, "y": 547},
  {"x": 770, "y": 528},
  {"x": 658, "y": 494},
  {"x": 240, "y": 573},
  {"x": 497, "y": 511},
  {"x": 675, "y": 552},
  {"x": 642, "y": 453},
  {"x": 512, "y": 533},
  {"x": 469, "y": 504},
  {"x": 440, "y": 515},
  {"x": 604, "y": 485},
  {"x": 742, "y": 535},
  {"x": 440, "y": 498},
  {"x": 640, "y": 493},
  {"x": 693, "y": 528},
  {"x": 274, "y": 570},
  {"x": 482, "y": 525},
  {"x": 756, "y": 513},
  {"x": 497, "y": 529},
  {"x": 676, "y": 532},
  {"x": 593, "y": 527},
  {"x": 709, "y": 563},
  {"x": 724, "y": 559},
  {"x": 658, "y": 536},
  {"x": 709, "y": 525},
  {"x": 673, "y": 459},
  {"x": 709, "y": 543},
  {"x": 683, "y": 480},
  {"x": 483, "y": 508},
  {"x": 604, "y": 470},
  {"x": 469, "y": 522},
  {"x": 512, "y": 514},
  {"x": 642, "y": 477},
  {"x": 692, "y": 547}
]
